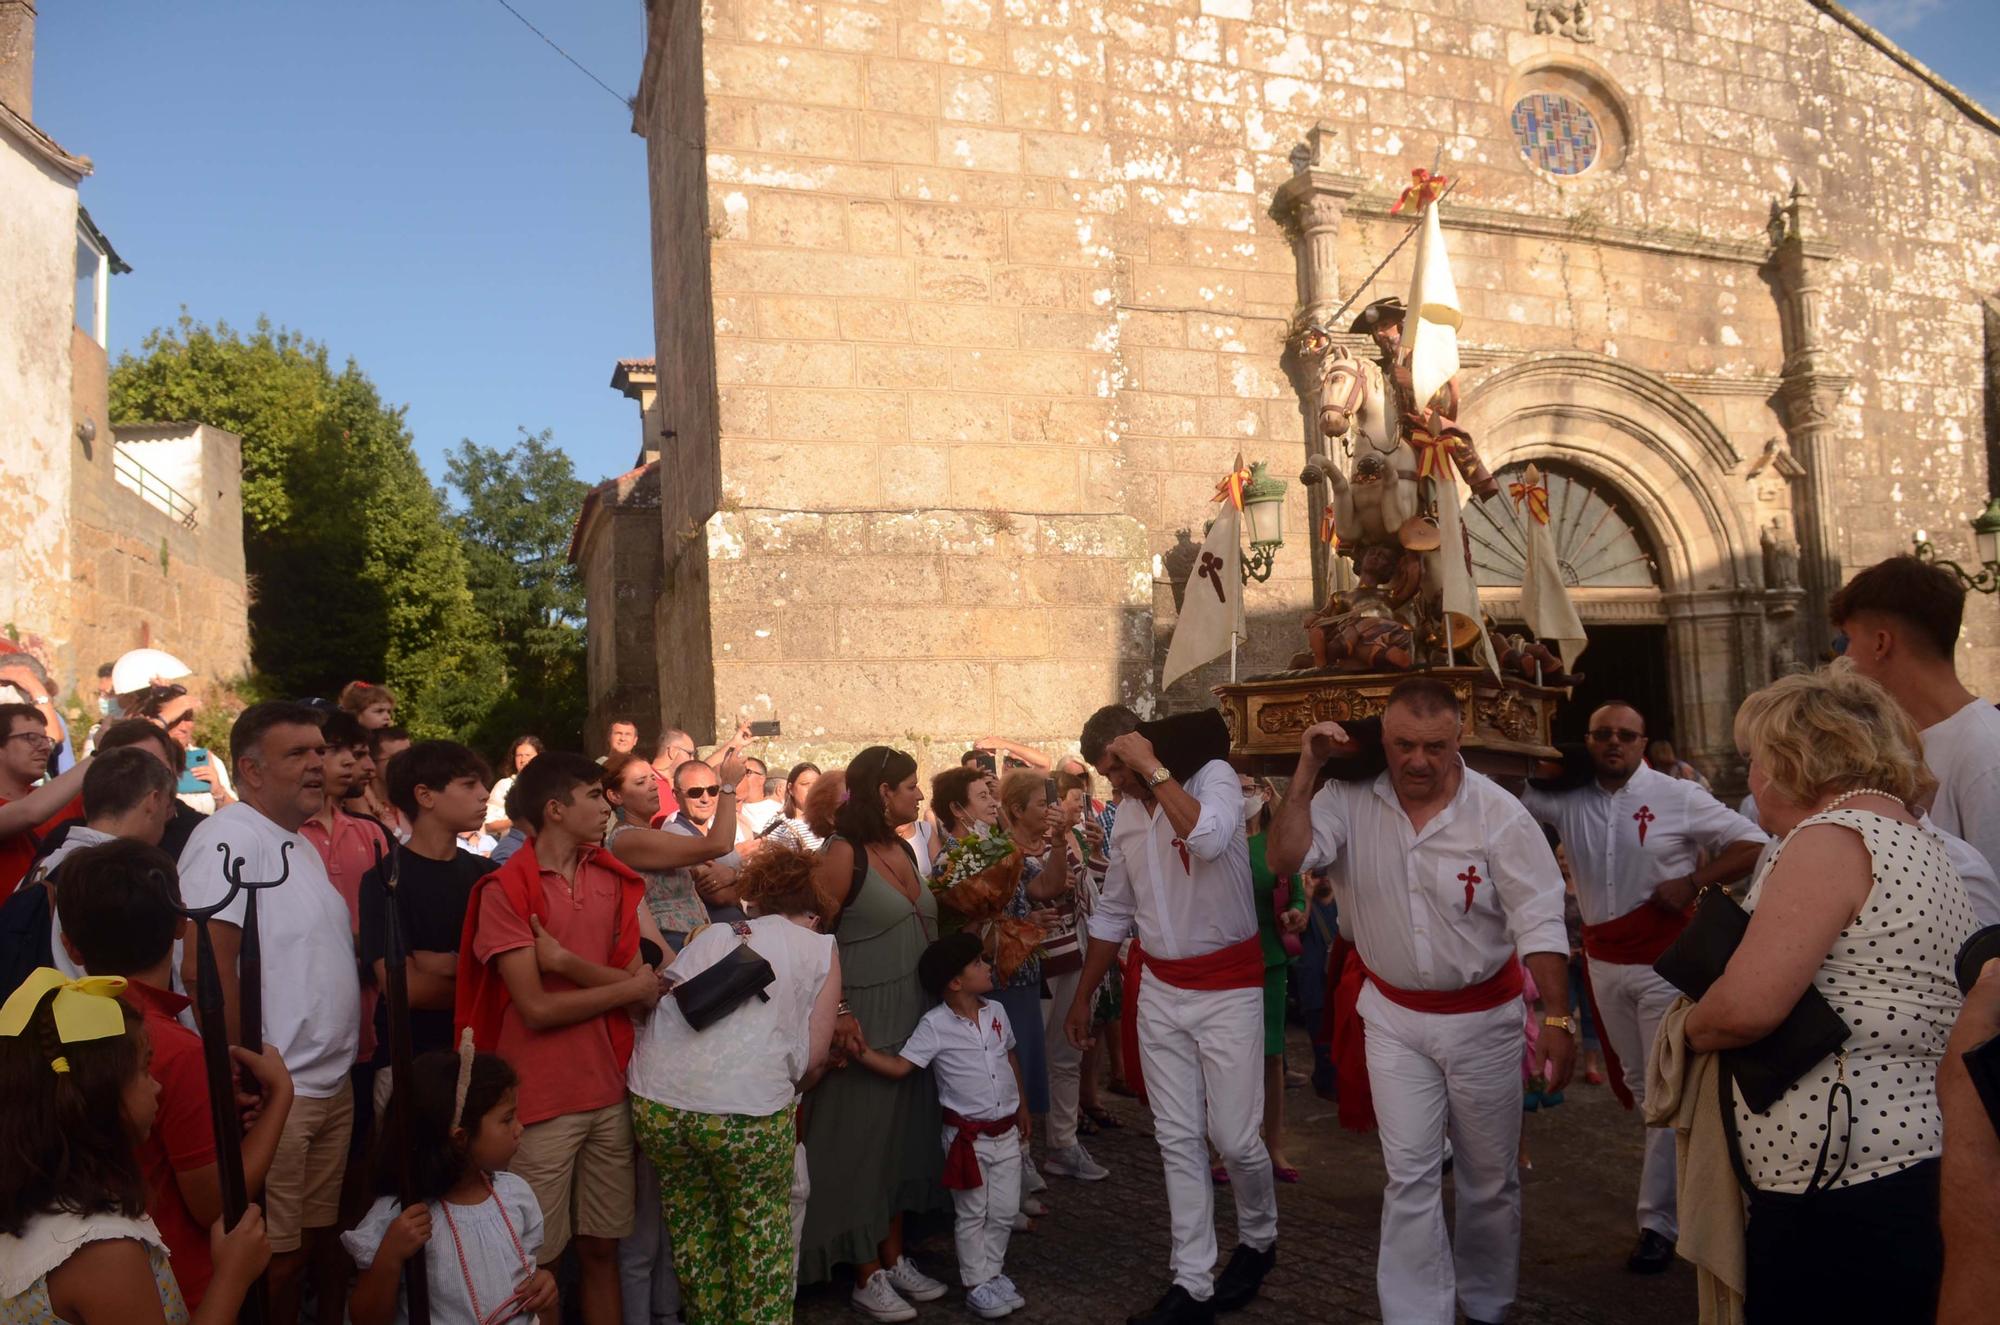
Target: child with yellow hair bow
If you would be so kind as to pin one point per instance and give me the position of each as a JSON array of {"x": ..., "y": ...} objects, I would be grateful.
[{"x": 76, "y": 1244}]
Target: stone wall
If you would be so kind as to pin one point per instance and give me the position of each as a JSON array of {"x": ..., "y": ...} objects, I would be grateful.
[
  {"x": 999, "y": 289},
  {"x": 142, "y": 576},
  {"x": 617, "y": 552},
  {"x": 38, "y": 273}
]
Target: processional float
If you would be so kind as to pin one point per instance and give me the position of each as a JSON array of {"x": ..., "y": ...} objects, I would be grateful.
[{"x": 1406, "y": 601}]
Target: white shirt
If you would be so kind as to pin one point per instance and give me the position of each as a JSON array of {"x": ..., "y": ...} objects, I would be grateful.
[
  {"x": 1443, "y": 908},
  {"x": 969, "y": 1060},
  {"x": 1185, "y": 897},
  {"x": 748, "y": 1062},
  {"x": 757, "y": 815},
  {"x": 486, "y": 1234},
  {"x": 312, "y": 995},
  {"x": 1623, "y": 844},
  {"x": 1963, "y": 753}
]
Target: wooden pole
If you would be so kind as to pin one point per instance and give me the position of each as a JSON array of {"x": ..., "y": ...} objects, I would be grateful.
[{"x": 396, "y": 982}]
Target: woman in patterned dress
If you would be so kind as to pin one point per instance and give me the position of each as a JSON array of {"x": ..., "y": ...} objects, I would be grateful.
[{"x": 1861, "y": 902}]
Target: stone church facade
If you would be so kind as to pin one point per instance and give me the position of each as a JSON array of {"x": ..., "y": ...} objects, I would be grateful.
[{"x": 963, "y": 306}]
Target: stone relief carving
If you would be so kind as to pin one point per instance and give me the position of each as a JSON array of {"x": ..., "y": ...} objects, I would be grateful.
[
  {"x": 1781, "y": 557},
  {"x": 1568, "y": 18}
]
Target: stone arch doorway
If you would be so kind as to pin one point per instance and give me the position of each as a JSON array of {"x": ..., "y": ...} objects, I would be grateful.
[
  {"x": 1643, "y": 452},
  {"x": 1612, "y": 573}
]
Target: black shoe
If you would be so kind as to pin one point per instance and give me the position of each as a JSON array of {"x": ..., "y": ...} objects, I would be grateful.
[
  {"x": 1241, "y": 1278},
  {"x": 1176, "y": 1307},
  {"x": 1653, "y": 1255}
]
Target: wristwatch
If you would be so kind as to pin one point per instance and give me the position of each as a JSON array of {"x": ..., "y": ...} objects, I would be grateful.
[
  {"x": 1561, "y": 1023},
  {"x": 1159, "y": 775}
]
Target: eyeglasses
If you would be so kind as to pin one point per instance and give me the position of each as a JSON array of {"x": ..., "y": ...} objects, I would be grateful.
[
  {"x": 184, "y": 720},
  {"x": 1622, "y": 735},
  {"x": 700, "y": 791},
  {"x": 32, "y": 738}
]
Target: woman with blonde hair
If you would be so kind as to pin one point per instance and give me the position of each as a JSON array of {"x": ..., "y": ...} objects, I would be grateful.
[{"x": 1862, "y": 903}]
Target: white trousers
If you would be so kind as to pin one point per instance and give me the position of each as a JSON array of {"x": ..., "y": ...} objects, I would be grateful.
[
  {"x": 1065, "y": 1062},
  {"x": 1202, "y": 1052},
  {"x": 1631, "y": 1000},
  {"x": 650, "y": 1290},
  {"x": 985, "y": 1214},
  {"x": 1433, "y": 1073}
]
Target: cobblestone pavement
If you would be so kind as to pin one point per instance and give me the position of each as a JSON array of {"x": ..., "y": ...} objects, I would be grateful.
[{"x": 1101, "y": 1252}]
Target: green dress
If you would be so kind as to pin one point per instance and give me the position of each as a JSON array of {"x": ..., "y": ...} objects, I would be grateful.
[
  {"x": 1277, "y": 966},
  {"x": 873, "y": 1146}
]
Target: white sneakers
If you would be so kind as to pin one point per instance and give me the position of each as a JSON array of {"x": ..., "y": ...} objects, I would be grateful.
[
  {"x": 1014, "y": 1298},
  {"x": 913, "y": 1283},
  {"x": 988, "y": 1301},
  {"x": 878, "y": 1299},
  {"x": 1031, "y": 1179},
  {"x": 1075, "y": 1162}
]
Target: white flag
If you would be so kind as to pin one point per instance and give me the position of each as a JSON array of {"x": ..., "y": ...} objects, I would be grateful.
[
  {"x": 1545, "y": 600},
  {"x": 1212, "y": 604},
  {"x": 1430, "y": 328},
  {"x": 1461, "y": 591}
]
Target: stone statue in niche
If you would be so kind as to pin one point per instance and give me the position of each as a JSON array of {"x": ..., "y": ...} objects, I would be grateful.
[
  {"x": 1781, "y": 557},
  {"x": 1178, "y": 563},
  {"x": 1568, "y": 18}
]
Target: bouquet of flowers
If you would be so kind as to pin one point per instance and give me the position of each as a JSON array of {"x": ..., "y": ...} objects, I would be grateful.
[{"x": 975, "y": 879}]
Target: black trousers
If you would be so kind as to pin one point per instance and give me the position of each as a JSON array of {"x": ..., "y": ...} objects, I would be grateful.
[{"x": 1871, "y": 1252}]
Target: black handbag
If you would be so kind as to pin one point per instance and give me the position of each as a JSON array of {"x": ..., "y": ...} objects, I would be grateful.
[
  {"x": 718, "y": 991},
  {"x": 1763, "y": 1071}
]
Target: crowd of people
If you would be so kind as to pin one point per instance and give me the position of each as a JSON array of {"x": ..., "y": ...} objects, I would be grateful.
[{"x": 685, "y": 1032}]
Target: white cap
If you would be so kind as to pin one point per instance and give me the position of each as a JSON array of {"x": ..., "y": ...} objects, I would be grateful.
[{"x": 142, "y": 667}]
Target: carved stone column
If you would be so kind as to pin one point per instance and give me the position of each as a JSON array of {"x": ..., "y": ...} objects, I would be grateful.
[
  {"x": 1812, "y": 383},
  {"x": 1310, "y": 206}
]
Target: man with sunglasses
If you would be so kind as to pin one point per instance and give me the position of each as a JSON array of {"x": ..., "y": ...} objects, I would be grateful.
[
  {"x": 700, "y": 789},
  {"x": 28, "y": 812},
  {"x": 1637, "y": 840}
]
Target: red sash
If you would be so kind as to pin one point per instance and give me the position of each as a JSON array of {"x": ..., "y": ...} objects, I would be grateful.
[
  {"x": 961, "y": 1162},
  {"x": 1348, "y": 1033},
  {"x": 1636, "y": 938},
  {"x": 1238, "y": 966},
  {"x": 1502, "y": 986}
]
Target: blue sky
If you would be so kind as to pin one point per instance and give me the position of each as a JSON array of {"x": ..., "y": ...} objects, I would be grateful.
[{"x": 426, "y": 187}]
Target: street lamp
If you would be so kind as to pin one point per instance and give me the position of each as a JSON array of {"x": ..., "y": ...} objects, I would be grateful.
[
  {"x": 1985, "y": 540},
  {"x": 1264, "y": 510}
]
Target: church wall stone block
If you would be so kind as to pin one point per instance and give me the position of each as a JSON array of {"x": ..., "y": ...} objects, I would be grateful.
[{"x": 935, "y": 278}]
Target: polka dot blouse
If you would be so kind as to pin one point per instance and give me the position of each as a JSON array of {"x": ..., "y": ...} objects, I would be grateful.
[{"x": 1891, "y": 976}]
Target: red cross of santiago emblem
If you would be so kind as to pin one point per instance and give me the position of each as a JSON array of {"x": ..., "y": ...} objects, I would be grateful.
[
  {"x": 1644, "y": 816},
  {"x": 1471, "y": 880}
]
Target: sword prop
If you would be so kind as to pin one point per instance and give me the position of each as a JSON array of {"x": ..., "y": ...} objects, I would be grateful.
[
  {"x": 1387, "y": 258},
  {"x": 396, "y": 985},
  {"x": 223, "y": 1117}
]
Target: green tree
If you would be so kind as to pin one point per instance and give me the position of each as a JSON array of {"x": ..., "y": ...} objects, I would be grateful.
[
  {"x": 514, "y": 513},
  {"x": 355, "y": 572}
]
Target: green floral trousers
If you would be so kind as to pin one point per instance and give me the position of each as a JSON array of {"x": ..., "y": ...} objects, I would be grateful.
[{"x": 725, "y": 1189}]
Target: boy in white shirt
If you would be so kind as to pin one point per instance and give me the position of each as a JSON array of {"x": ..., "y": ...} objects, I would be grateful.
[{"x": 969, "y": 1044}]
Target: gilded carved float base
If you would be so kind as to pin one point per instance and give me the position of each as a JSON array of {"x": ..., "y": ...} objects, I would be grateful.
[{"x": 1505, "y": 731}]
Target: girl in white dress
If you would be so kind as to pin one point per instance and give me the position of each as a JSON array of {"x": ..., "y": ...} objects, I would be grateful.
[
  {"x": 479, "y": 1225},
  {"x": 76, "y": 1244}
]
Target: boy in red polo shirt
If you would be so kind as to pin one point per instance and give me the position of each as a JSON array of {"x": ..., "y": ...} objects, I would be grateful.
[
  {"x": 118, "y": 916},
  {"x": 24, "y": 758},
  {"x": 554, "y": 972}
]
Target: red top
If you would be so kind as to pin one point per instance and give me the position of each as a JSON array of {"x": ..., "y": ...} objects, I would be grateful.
[
  {"x": 183, "y": 1135},
  {"x": 566, "y": 1069},
  {"x": 349, "y": 853},
  {"x": 17, "y": 852}
]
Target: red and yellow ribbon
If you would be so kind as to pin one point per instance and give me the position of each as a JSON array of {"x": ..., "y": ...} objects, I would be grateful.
[
  {"x": 1433, "y": 455},
  {"x": 1425, "y": 189},
  {"x": 1231, "y": 487},
  {"x": 1536, "y": 495}
]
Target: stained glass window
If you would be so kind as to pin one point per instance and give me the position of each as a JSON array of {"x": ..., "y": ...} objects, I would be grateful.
[{"x": 1556, "y": 132}]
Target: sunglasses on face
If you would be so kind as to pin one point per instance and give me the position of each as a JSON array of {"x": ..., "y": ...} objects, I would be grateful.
[
  {"x": 700, "y": 791},
  {"x": 1622, "y": 735},
  {"x": 184, "y": 720}
]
